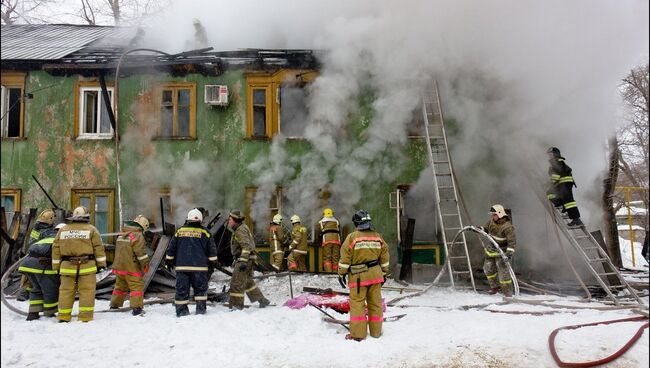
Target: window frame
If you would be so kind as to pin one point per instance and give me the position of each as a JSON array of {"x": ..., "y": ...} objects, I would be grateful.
[
  {"x": 192, "y": 106},
  {"x": 17, "y": 194},
  {"x": 8, "y": 81},
  {"x": 77, "y": 193},
  {"x": 272, "y": 83},
  {"x": 80, "y": 88}
]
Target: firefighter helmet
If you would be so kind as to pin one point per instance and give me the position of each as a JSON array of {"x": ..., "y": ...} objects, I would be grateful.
[
  {"x": 295, "y": 219},
  {"x": 277, "y": 219},
  {"x": 80, "y": 213},
  {"x": 554, "y": 150},
  {"x": 194, "y": 215},
  {"x": 139, "y": 221},
  {"x": 362, "y": 220},
  {"x": 328, "y": 212},
  {"x": 46, "y": 217},
  {"x": 498, "y": 210},
  {"x": 236, "y": 215}
]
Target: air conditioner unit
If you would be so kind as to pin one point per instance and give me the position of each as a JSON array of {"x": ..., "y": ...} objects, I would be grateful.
[{"x": 216, "y": 95}]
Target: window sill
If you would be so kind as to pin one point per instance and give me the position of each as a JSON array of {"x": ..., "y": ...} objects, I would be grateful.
[
  {"x": 257, "y": 138},
  {"x": 14, "y": 138},
  {"x": 160, "y": 138},
  {"x": 93, "y": 138}
]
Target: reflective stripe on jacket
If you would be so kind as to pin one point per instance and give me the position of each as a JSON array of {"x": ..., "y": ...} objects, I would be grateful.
[
  {"x": 78, "y": 239},
  {"x": 361, "y": 247},
  {"x": 330, "y": 231},
  {"x": 192, "y": 248},
  {"x": 130, "y": 253}
]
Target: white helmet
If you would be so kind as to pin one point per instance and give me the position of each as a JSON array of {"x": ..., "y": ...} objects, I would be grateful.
[
  {"x": 277, "y": 219},
  {"x": 194, "y": 215},
  {"x": 295, "y": 219},
  {"x": 58, "y": 226},
  {"x": 498, "y": 210}
]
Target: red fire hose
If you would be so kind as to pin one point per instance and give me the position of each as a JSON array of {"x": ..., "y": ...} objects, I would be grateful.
[{"x": 621, "y": 351}]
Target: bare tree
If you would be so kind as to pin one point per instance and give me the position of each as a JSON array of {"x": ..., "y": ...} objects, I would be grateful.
[
  {"x": 117, "y": 12},
  {"x": 21, "y": 11},
  {"x": 609, "y": 191},
  {"x": 87, "y": 12}
]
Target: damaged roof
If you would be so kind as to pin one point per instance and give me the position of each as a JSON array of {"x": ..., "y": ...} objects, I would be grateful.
[{"x": 56, "y": 41}]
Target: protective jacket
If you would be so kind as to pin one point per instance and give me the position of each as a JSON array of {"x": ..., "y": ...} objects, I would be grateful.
[
  {"x": 130, "y": 253},
  {"x": 192, "y": 248},
  {"x": 37, "y": 232},
  {"x": 503, "y": 232},
  {"x": 559, "y": 172},
  {"x": 39, "y": 254},
  {"x": 330, "y": 231},
  {"x": 364, "y": 254},
  {"x": 78, "y": 247},
  {"x": 277, "y": 239},
  {"x": 298, "y": 239},
  {"x": 242, "y": 245}
]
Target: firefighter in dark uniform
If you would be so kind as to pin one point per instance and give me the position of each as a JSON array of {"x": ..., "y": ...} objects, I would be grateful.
[
  {"x": 191, "y": 251},
  {"x": 364, "y": 256},
  {"x": 560, "y": 192},
  {"x": 130, "y": 265},
  {"x": 502, "y": 231},
  {"x": 44, "y": 223},
  {"x": 37, "y": 266},
  {"x": 78, "y": 254},
  {"x": 242, "y": 247}
]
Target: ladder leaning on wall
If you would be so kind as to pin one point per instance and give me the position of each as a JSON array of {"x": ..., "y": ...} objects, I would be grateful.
[{"x": 458, "y": 263}]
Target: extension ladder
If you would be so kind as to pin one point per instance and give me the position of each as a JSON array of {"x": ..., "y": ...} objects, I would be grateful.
[
  {"x": 444, "y": 183},
  {"x": 609, "y": 279}
]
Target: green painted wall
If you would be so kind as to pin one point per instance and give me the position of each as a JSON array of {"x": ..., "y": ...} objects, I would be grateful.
[{"x": 213, "y": 168}]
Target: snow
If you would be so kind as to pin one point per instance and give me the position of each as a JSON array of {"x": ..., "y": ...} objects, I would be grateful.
[
  {"x": 634, "y": 211},
  {"x": 437, "y": 332},
  {"x": 627, "y": 228},
  {"x": 626, "y": 255}
]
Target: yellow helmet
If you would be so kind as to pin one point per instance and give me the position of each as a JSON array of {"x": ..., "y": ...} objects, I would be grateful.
[
  {"x": 140, "y": 221},
  {"x": 46, "y": 217},
  {"x": 328, "y": 212},
  {"x": 80, "y": 213},
  {"x": 295, "y": 219},
  {"x": 498, "y": 210}
]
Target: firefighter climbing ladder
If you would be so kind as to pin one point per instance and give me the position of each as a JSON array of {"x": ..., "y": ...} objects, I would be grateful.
[
  {"x": 444, "y": 184},
  {"x": 610, "y": 280}
]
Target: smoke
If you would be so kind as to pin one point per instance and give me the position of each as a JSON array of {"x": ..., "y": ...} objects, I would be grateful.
[{"x": 515, "y": 78}]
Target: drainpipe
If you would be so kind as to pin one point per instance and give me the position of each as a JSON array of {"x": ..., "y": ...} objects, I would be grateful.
[{"x": 116, "y": 126}]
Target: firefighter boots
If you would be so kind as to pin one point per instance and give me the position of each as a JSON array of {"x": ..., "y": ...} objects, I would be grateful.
[
  {"x": 493, "y": 290},
  {"x": 137, "y": 311},
  {"x": 200, "y": 306},
  {"x": 32, "y": 316},
  {"x": 264, "y": 302},
  {"x": 576, "y": 223},
  {"x": 182, "y": 310}
]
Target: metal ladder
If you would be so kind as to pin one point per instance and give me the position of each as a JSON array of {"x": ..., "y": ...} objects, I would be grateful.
[
  {"x": 593, "y": 254},
  {"x": 447, "y": 207}
]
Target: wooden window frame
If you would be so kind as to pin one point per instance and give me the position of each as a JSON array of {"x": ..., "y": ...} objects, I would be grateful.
[
  {"x": 93, "y": 192},
  {"x": 15, "y": 80},
  {"x": 271, "y": 83},
  {"x": 78, "y": 105},
  {"x": 158, "y": 104},
  {"x": 13, "y": 192}
]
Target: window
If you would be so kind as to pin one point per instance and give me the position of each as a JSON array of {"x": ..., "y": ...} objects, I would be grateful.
[
  {"x": 274, "y": 206},
  {"x": 100, "y": 202},
  {"x": 167, "y": 208},
  {"x": 12, "y": 105},
  {"x": 11, "y": 203},
  {"x": 177, "y": 112},
  {"x": 92, "y": 116},
  {"x": 277, "y": 99}
]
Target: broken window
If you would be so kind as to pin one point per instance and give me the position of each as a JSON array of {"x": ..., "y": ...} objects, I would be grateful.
[
  {"x": 94, "y": 121},
  {"x": 293, "y": 110},
  {"x": 100, "y": 203},
  {"x": 177, "y": 111},
  {"x": 12, "y": 105},
  {"x": 11, "y": 203}
]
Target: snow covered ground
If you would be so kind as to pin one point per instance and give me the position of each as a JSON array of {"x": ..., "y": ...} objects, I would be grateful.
[
  {"x": 640, "y": 263},
  {"x": 436, "y": 332}
]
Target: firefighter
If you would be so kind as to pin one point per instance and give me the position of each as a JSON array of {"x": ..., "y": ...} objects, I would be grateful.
[
  {"x": 330, "y": 235},
  {"x": 78, "y": 254},
  {"x": 277, "y": 240},
  {"x": 502, "y": 231},
  {"x": 130, "y": 265},
  {"x": 192, "y": 252},
  {"x": 242, "y": 247},
  {"x": 560, "y": 192},
  {"x": 364, "y": 256},
  {"x": 37, "y": 266},
  {"x": 298, "y": 247},
  {"x": 44, "y": 223}
]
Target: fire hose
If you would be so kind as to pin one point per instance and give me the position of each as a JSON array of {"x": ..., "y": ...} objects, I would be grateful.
[
  {"x": 3, "y": 284},
  {"x": 617, "y": 354}
]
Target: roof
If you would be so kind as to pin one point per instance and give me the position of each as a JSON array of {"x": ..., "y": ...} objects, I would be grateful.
[{"x": 55, "y": 41}]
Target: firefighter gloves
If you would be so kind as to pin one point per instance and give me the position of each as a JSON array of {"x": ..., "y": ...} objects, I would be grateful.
[
  {"x": 243, "y": 266},
  {"x": 343, "y": 281}
]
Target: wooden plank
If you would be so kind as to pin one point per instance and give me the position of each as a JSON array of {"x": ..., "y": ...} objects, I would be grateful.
[
  {"x": 406, "y": 271},
  {"x": 5, "y": 257},
  {"x": 160, "y": 244},
  {"x": 27, "y": 235}
]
